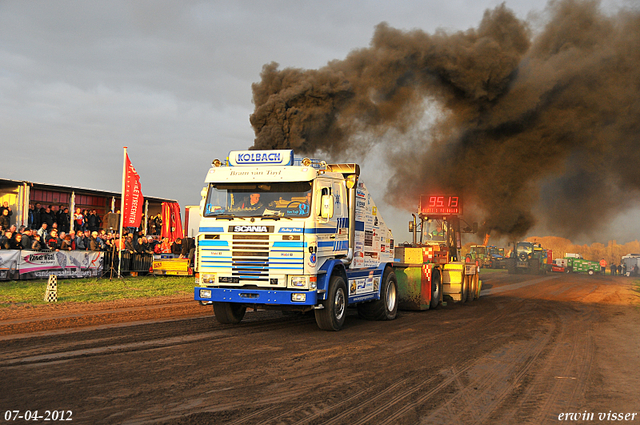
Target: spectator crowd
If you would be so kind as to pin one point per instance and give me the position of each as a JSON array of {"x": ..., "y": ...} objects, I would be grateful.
[{"x": 50, "y": 229}]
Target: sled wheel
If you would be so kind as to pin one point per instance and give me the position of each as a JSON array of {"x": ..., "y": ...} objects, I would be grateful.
[{"x": 436, "y": 288}]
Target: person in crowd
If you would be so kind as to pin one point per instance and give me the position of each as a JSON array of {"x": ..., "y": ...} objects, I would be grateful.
[
  {"x": 81, "y": 242},
  {"x": 37, "y": 221},
  {"x": 94, "y": 221},
  {"x": 153, "y": 242},
  {"x": 64, "y": 220},
  {"x": 188, "y": 249},
  {"x": 620, "y": 269},
  {"x": 128, "y": 244},
  {"x": 53, "y": 242},
  {"x": 176, "y": 247},
  {"x": 94, "y": 245},
  {"x": 72, "y": 236},
  {"x": 78, "y": 220},
  {"x": 5, "y": 207},
  {"x": 66, "y": 243},
  {"x": 5, "y": 221},
  {"x": 165, "y": 246},
  {"x": 101, "y": 237},
  {"x": 36, "y": 244},
  {"x": 614, "y": 269},
  {"x": 142, "y": 247},
  {"x": 16, "y": 243},
  {"x": 47, "y": 216},
  {"x": 5, "y": 239},
  {"x": 43, "y": 231},
  {"x": 157, "y": 220},
  {"x": 31, "y": 216},
  {"x": 26, "y": 237},
  {"x": 635, "y": 271}
]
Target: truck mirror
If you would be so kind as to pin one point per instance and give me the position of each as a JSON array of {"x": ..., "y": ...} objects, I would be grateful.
[
  {"x": 475, "y": 227},
  {"x": 411, "y": 226},
  {"x": 326, "y": 211}
]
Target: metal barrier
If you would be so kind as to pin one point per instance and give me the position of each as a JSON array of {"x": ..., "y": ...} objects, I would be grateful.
[{"x": 136, "y": 262}]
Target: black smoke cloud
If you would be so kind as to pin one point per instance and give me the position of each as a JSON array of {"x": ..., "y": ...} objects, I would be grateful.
[{"x": 535, "y": 126}]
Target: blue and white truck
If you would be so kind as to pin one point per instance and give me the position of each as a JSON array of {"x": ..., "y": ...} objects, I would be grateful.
[{"x": 279, "y": 232}]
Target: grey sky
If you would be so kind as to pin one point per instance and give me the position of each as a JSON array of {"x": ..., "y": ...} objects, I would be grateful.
[{"x": 172, "y": 80}]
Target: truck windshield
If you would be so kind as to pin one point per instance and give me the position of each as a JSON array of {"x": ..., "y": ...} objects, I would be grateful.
[
  {"x": 281, "y": 199},
  {"x": 435, "y": 230},
  {"x": 524, "y": 247}
]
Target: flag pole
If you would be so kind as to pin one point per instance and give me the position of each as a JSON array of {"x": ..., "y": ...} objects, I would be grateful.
[{"x": 124, "y": 176}]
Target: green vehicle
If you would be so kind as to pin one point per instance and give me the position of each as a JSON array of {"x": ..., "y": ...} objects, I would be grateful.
[
  {"x": 580, "y": 265},
  {"x": 529, "y": 258},
  {"x": 478, "y": 253}
]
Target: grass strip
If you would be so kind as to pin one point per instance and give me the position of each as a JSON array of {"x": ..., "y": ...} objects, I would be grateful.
[{"x": 95, "y": 290}]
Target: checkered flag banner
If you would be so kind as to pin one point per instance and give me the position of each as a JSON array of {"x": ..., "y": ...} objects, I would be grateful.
[{"x": 51, "y": 294}]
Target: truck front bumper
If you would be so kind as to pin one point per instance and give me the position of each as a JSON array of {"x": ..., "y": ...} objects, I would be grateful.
[{"x": 256, "y": 296}]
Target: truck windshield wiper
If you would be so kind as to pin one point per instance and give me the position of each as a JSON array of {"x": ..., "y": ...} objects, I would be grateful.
[{"x": 228, "y": 217}]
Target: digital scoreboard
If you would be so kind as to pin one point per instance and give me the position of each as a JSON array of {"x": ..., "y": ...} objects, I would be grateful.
[{"x": 431, "y": 205}]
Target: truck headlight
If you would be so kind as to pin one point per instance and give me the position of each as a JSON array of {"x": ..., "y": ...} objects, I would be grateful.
[
  {"x": 298, "y": 282},
  {"x": 208, "y": 278},
  {"x": 300, "y": 298},
  {"x": 205, "y": 293}
]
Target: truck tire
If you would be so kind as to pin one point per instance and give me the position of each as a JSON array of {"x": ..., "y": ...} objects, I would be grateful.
[
  {"x": 228, "y": 313},
  {"x": 331, "y": 317},
  {"x": 511, "y": 266},
  {"x": 471, "y": 295},
  {"x": 567, "y": 270},
  {"x": 464, "y": 288},
  {"x": 591, "y": 272},
  {"x": 534, "y": 266},
  {"x": 385, "y": 308},
  {"x": 436, "y": 288}
]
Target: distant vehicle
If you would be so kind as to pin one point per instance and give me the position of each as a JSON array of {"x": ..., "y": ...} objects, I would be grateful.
[
  {"x": 629, "y": 261},
  {"x": 529, "y": 258},
  {"x": 574, "y": 263},
  {"x": 487, "y": 256}
]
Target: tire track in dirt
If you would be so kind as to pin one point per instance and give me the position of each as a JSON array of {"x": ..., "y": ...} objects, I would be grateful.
[{"x": 142, "y": 341}]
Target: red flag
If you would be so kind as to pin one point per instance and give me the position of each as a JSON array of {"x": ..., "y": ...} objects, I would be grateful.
[
  {"x": 171, "y": 221},
  {"x": 133, "y": 199}
]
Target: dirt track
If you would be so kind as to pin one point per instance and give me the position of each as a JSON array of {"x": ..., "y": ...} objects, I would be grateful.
[{"x": 530, "y": 349}]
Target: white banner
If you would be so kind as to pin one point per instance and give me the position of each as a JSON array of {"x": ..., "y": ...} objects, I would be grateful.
[
  {"x": 70, "y": 264},
  {"x": 8, "y": 264}
]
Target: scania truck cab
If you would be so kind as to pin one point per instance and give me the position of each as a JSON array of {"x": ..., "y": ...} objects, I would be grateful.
[{"x": 294, "y": 235}]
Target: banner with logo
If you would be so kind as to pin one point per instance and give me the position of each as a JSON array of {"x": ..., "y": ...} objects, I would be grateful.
[
  {"x": 9, "y": 264},
  {"x": 133, "y": 199},
  {"x": 171, "y": 221},
  {"x": 64, "y": 264}
]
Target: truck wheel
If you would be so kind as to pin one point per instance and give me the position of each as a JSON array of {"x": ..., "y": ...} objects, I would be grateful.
[
  {"x": 567, "y": 270},
  {"x": 464, "y": 288},
  {"x": 534, "y": 266},
  {"x": 591, "y": 272},
  {"x": 385, "y": 308},
  {"x": 471, "y": 295},
  {"x": 436, "y": 288},
  {"x": 228, "y": 313},
  {"x": 476, "y": 285},
  {"x": 331, "y": 317}
]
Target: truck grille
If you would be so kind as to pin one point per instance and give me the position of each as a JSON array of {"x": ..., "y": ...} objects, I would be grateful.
[{"x": 250, "y": 257}]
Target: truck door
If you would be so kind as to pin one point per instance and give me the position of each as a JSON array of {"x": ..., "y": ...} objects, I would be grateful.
[{"x": 332, "y": 231}]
